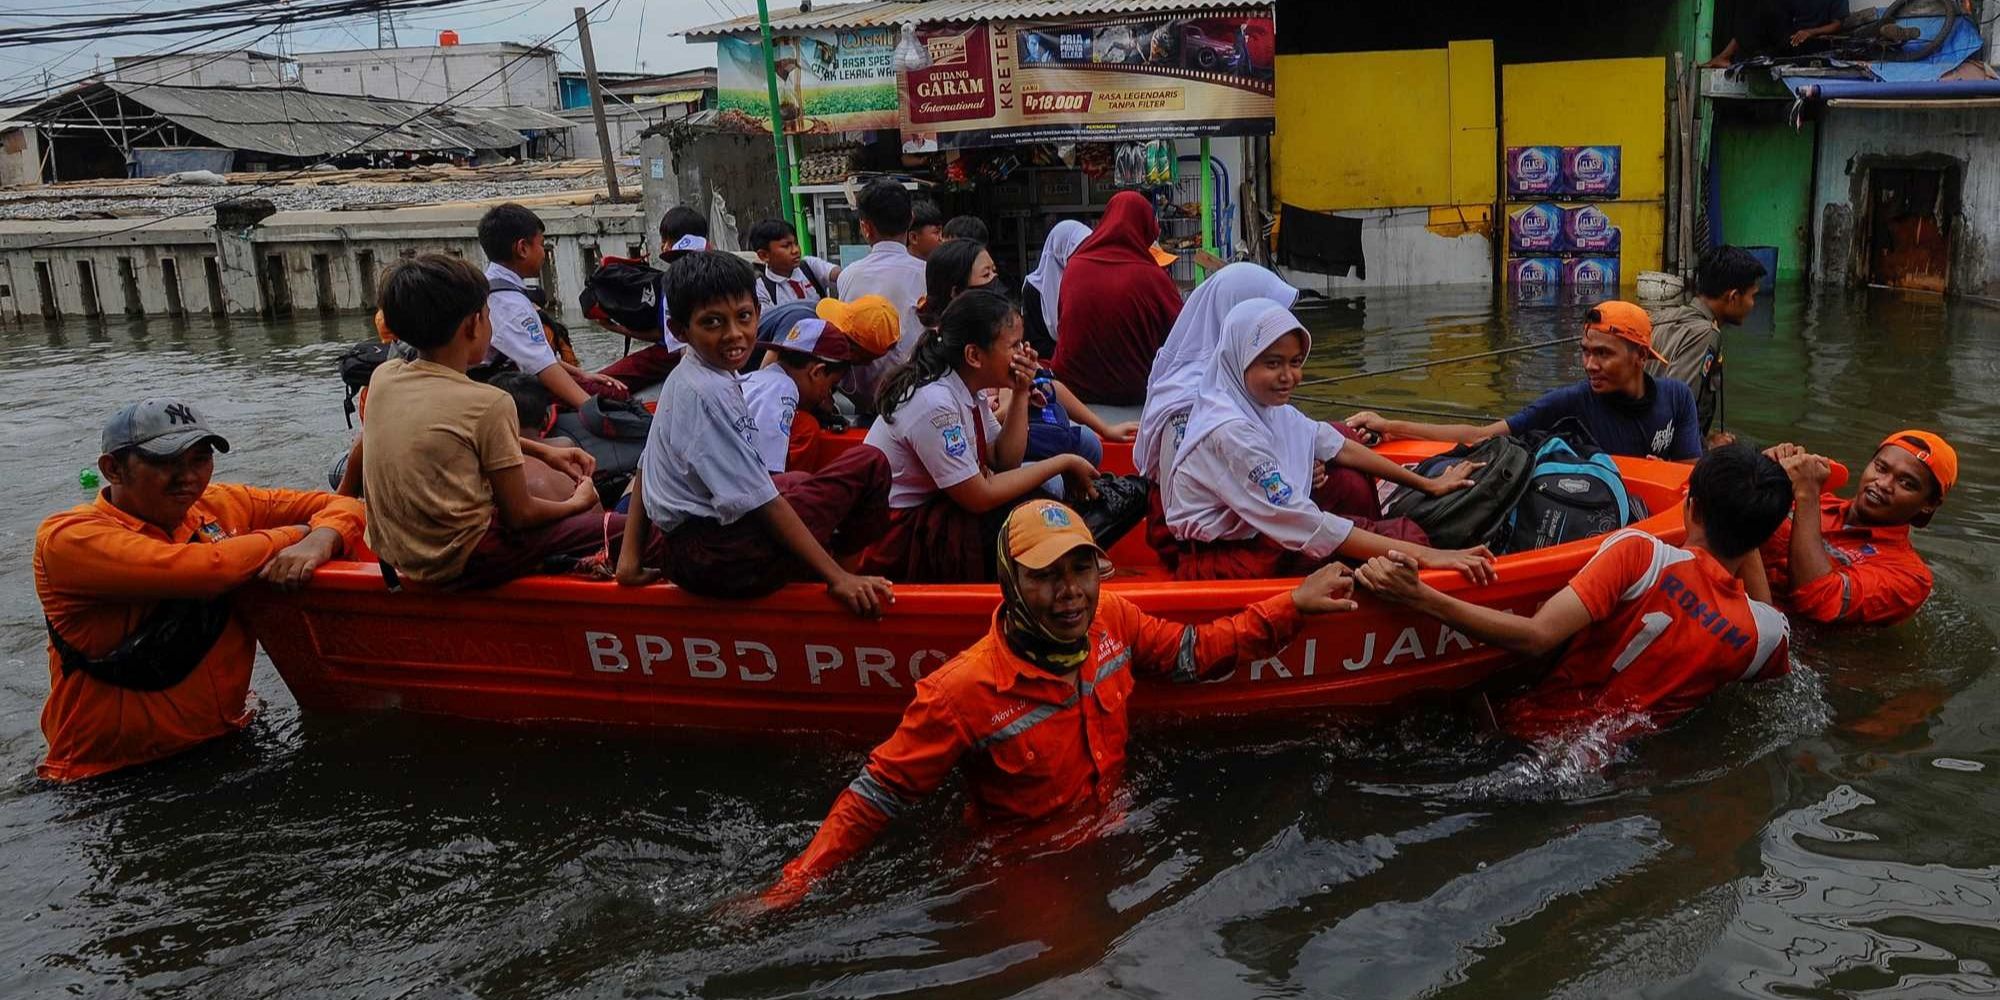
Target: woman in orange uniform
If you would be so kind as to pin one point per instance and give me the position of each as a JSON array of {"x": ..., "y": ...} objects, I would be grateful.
[{"x": 146, "y": 656}]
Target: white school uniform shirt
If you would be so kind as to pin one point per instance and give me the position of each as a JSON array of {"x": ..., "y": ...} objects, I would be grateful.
[
  {"x": 796, "y": 288},
  {"x": 1245, "y": 469},
  {"x": 517, "y": 330},
  {"x": 701, "y": 457},
  {"x": 891, "y": 271},
  {"x": 929, "y": 444},
  {"x": 773, "y": 398}
]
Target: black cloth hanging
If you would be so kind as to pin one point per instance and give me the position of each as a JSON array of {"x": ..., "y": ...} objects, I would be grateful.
[{"x": 1320, "y": 242}]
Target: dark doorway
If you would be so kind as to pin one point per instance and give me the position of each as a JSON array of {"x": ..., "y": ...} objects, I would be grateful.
[{"x": 1909, "y": 229}]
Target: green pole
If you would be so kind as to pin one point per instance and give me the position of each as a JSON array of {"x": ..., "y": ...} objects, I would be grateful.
[
  {"x": 801, "y": 217},
  {"x": 1207, "y": 209},
  {"x": 777, "y": 120}
]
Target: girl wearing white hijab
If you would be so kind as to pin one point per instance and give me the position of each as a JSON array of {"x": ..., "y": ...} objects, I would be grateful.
[
  {"x": 1175, "y": 382},
  {"x": 1043, "y": 289},
  {"x": 1239, "y": 489}
]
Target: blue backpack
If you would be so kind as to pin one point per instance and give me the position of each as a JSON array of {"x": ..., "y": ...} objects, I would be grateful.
[{"x": 1574, "y": 491}]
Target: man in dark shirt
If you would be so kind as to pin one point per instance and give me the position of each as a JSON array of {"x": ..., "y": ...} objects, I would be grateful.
[
  {"x": 1780, "y": 28},
  {"x": 1626, "y": 411}
]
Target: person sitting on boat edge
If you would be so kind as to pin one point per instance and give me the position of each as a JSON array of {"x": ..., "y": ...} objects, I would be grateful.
[
  {"x": 1250, "y": 494},
  {"x": 512, "y": 237},
  {"x": 954, "y": 469},
  {"x": 1850, "y": 561},
  {"x": 146, "y": 654},
  {"x": 1689, "y": 336},
  {"x": 1036, "y": 710},
  {"x": 1647, "y": 631},
  {"x": 725, "y": 526},
  {"x": 456, "y": 496},
  {"x": 1627, "y": 411}
]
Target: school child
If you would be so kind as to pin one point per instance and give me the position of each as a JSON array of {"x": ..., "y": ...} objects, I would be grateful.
[
  {"x": 810, "y": 360},
  {"x": 450, "y": 482},
  {"x": 1239, "y": 495},
  {"x": 1043, "y": 289},
  {"x": 926, "y": 228},
  {"x": 1060, "y": 423},
  {"x": 968, "y": 227},
  {"x": 956, "y": 470},
  {"x": 889, "y": 270},
  {"x": 789, "y": 275},
  {"x": 512, "y": 238},
  {"x": 683, "y": 231},
  {"x": 708, "y": 512},
  {"x": 1647, "y": 631}
]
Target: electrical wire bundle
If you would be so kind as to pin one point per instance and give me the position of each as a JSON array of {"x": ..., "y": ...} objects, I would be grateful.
[{"x": 70, "y": 26}]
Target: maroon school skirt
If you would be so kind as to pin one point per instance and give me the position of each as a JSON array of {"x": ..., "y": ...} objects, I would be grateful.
[{"x": 938, "y": 542}]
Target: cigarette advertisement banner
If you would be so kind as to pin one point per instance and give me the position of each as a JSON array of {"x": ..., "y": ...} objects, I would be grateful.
[
  {"x": 1148, "y": 78},
  {"x": 828, "y": 81}
]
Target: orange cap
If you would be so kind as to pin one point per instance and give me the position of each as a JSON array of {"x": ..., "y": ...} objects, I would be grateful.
[
  {"x": 1163, "y": 256},
  {"x": 1625, "y": 321},
  {"x": 1931, "y": 450},
  {"x": 870, "y": 321},
  {"x": 1040, "y": 532}
]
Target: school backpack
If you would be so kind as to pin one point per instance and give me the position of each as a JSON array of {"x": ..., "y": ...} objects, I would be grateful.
[
  {"x": 1574, "y": 491},
  {"x": 627, "y": 291},
  {"x": 614, "y": 432},
  {"x": 358, "y": 364},
  {"x": 1477, "y": 515}
]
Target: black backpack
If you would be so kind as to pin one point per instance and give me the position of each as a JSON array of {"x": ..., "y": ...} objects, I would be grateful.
[
  {"x": 1474, "y": 516},
  {"x": 627, "y": 291},
  {"x": 614, "y": 432},
  {"x": 358, "y": 365},
  {"x": 1574, "y": 491}
]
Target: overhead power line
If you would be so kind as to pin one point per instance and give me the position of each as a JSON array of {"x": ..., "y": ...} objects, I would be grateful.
[{"x": 209, "y": 17}]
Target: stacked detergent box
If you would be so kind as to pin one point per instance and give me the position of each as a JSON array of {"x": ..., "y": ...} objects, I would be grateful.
[{"x": 1555, "y": 235}]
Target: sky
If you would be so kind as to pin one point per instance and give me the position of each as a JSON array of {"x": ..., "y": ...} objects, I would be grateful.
[{"x": 630, "y": 35}]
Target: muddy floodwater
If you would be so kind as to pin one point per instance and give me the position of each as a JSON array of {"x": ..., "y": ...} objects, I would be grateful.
[{"x": 1835, "y": 834}]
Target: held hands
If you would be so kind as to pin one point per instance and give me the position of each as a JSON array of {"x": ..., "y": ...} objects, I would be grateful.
[
  {"x": 293, "y": 566},
  {"x": 1808, "y": 473},
  {"x": 1392, "y": 577},
  {"x": 1779, "y": 452},
  {"x": 1456, "y": 476},
  {"x": 866, "y": 596},
  {"x": 1330, "y": 589}
]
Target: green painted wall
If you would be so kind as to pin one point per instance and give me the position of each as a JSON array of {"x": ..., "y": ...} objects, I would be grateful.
[{"x": 1764, "y": 168}]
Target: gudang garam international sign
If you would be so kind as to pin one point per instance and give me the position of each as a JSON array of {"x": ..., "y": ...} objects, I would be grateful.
[
  {"x": 1093, "y": 81},
  {"x": 828, "y": 81}
]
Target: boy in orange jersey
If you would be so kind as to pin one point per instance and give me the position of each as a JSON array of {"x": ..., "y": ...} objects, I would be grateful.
[{"x": 1647, "y": 631}]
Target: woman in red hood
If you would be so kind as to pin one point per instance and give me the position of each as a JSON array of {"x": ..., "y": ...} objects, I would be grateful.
[{"x": 1117, "y": 306}]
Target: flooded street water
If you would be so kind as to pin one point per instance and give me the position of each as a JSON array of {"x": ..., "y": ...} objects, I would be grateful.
[{"x": 1836, "y": 834}]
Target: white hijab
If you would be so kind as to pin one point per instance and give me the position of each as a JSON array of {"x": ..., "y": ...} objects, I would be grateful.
[
  {"x": 1249, "y": 330},
  {"x": 1047, "y": 279},
  {"x": 1175, "y": 380}
]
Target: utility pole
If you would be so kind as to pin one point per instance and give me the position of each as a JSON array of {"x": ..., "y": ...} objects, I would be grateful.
[
  {"x": 785, "y": 206},
  {"x": 596, "y": 103},
  {"x": 385, "y": 29}
]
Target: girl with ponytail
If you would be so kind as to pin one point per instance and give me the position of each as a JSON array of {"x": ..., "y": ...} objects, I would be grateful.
[{"x": 955, "y": 470}]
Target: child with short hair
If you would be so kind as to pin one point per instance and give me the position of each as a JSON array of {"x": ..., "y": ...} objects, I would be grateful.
[
  {"x": 967, "y": 227},
  {"x": 809, "y": 360},
  {"x": 683, "y": 231},
  {"x": 789, "y": 275},
  {"x": 511, "y": 236},
  {"x": 926, "y": 227},
  {"x": 447, "y": 474},
  {"x": 727, "y": 527}
]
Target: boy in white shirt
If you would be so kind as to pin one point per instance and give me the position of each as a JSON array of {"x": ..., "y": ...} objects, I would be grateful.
[
  {"x": 789, "y": 275},
  {"x": 809, "y": 361},
  {"x": 512, "y": 238},
  {"x": 727, "y": 527},
  {"x": 889, "y": 270}
]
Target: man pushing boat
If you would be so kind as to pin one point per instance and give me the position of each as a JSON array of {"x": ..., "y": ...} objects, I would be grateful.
[{"x": 1036, "y": 710}]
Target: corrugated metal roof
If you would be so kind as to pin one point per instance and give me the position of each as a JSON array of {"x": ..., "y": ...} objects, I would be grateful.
[
  {"x": 290, "y": 122},
  {"x": 878, "y": 13}
]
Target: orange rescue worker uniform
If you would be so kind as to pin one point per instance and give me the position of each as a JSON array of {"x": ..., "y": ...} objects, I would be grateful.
[
  {"x": 100, "y": 572},
  {"x": 1878, "y": 578},
  {"x": 1669, "y": 628},
  {"x": 1033, "y": 743}
]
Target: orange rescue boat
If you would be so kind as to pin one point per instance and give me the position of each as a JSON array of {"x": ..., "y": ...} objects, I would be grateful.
[{"x": 561, "y": 648}]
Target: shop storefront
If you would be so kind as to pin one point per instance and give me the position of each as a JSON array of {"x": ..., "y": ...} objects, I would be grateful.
[{"x": 1003, "y": 112}]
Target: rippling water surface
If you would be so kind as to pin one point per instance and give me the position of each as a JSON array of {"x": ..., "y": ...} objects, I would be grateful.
[{"x": 1832, "y": 835}]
